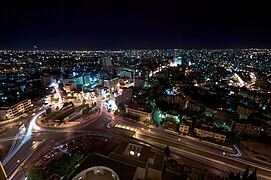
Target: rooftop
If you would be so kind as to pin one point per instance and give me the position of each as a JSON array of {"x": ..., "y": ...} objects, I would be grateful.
[
  {"x": 99, "y": 160},
  {"x": 121, "y": 154}
]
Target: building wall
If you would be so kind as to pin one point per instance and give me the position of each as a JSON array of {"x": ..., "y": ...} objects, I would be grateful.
[
  {"x": 238, "y": 128},
  {"x": 15, "y": 110},
  {"x": 220, "y": 137},
  {"x": 153, "y": 174},
  {"x": 78, "y": 80},
  {"x": 127, "y": 95},
  {"x": 142, "y": 115},
  {"x": 109, "y": 83},
  {"x": 139, "y": 83},
  {"x": 204, "y": 133},
  {"x": 184, "y": 129},
  {"x": 65, "y": 81},
  {"x": 193, "y": 107},
  {"x": 141, "y": 173},
  {"x": 135, "y": 176},
  {"x": 70, "y": 87},
  {"x": 244, "y": 111},
  {"x": 46, "y": 80},
  {"x": 168, "y": 98},
  {"x": 180, "y": 100},
  {"x": 106, "y": 61},
  {"x": 252, "y": 130},
  {"x": 268, "y": 131}
]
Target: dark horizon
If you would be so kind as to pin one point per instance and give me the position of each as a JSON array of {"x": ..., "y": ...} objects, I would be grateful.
[
  {"x": 126, "y": 49},
  {"x": 134, "y": 25}
]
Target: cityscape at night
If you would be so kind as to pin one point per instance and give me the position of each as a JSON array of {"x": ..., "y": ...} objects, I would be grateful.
[
  {"x": 210, "y": 107},
  {"x": 135, "y": 91}
]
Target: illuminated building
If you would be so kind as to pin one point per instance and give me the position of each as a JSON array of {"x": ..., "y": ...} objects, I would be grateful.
[
  {"x": 204, "y": 133},
  {"x": 142, "y": 111},
  {"x": 106, "y": 63},
  {"x": 15, "y": 110}
]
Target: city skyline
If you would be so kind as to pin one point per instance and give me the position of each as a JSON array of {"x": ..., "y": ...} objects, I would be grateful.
[
  {"x": 135, "y": 25},
  {"x": 205, "y": 110},
  {"x": 162, "y": 89}
]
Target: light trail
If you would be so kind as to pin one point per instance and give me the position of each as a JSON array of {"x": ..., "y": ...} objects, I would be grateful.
[
  {"x": 28, "y": 153},
  {"x": 26, "y": 137},
  {"x": 33, "y": 125},
  {"x": 211, "y": 159},
  {"x": 55, "y": 86},
  {"x": 239, "y": 152},
  {"x": 218, "y": 161},
  {"x": 41, "y": 151},
  {"x": 10, "y": 139}
]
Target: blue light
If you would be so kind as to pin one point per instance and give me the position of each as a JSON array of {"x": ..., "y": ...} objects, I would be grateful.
[{"x": 170, "y": 92}]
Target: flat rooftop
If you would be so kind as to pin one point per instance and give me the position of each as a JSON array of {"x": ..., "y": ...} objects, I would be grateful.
[{"x": 124, "y": 171}]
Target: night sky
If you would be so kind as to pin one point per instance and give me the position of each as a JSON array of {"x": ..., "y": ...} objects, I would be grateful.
[{"x": 93, "y": 25}]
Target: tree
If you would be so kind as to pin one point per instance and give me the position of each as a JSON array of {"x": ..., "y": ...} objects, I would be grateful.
[
  {"x": 233, "y": 176},
  {"x": 167, "y": 151},
  {"x": 48, "y": 110},
  {"x": 237, "y": 176},
  {"x": 253, "y": 175},
  {"x": 86, "y": 144},
  {"x": 34, "y": 173},
  {"x": 245, "y": 173},
  {"x": 21, "y": 168},
  {"x": 86, "y": 110}
]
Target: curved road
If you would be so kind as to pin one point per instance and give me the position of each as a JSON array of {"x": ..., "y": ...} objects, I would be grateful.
[{"x": 37, "y": 141}]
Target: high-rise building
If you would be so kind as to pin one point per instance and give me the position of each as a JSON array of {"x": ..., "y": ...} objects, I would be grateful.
[{"x": 106, "y": 63}]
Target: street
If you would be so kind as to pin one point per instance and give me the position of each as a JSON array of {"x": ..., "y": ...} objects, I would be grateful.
[{"x": 29, "y": 147}]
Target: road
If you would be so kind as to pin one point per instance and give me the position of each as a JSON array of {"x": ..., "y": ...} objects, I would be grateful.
[{"x": 38, "y": 141}]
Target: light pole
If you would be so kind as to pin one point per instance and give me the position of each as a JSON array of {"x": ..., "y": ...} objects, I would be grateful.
[{"x": 224, "y": 154}]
